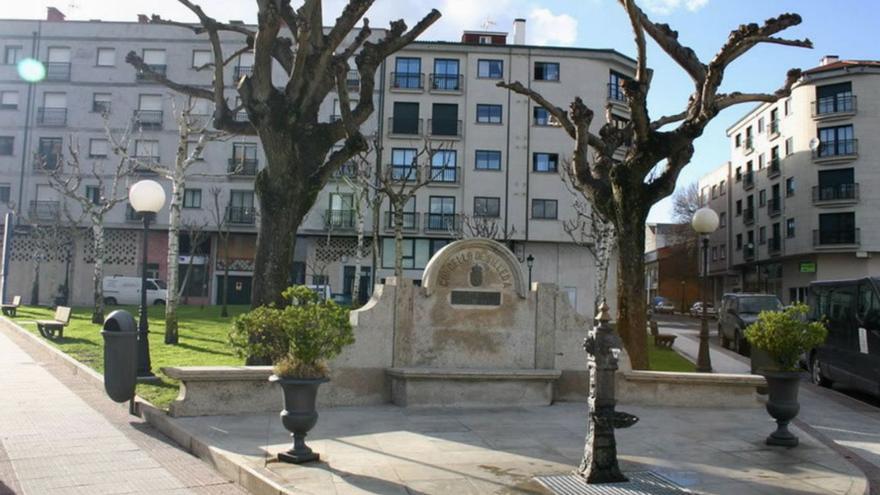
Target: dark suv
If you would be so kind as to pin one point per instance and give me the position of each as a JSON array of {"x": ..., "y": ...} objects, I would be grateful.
[{"x": 737, "y": 312}]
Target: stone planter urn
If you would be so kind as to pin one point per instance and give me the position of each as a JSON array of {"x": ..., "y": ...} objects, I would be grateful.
[
  {"x": 299, "y": 415},
  {"x": 782, "y": 404}
]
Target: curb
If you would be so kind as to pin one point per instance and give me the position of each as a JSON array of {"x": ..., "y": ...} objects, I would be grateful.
[{"x": 247, "y": 477}]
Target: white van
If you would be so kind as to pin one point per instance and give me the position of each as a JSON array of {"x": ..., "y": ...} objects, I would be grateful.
[{"x": 127, "y": 290}]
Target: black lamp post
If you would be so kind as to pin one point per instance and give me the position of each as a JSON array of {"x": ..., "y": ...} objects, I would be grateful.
[
  {"x": 704, "y": 222},
  {"x": 147, "y": 197},
  {"x": 530, "y": 262}
]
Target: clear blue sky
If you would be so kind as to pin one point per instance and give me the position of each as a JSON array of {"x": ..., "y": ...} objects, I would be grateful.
[{"x": 847, "y": 28}]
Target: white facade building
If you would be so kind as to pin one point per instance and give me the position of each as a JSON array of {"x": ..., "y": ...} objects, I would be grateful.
[
  {"x": 799, "y": 197},
  {"x": 500, "y": 159}
]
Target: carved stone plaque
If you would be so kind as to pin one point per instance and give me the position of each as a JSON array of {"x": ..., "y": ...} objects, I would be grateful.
[{"x": 475, "y": 298}]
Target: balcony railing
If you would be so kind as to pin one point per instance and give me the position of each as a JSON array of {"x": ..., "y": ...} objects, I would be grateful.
[
  {"x": 241, "y": 215},
  {"x": 101, "y": 107},
  {"x": 403, "y": 173},
  {"x": 774, "y": 206},
  {"x": 774, "y": 246},
  {"x": 446, "y": 82},
  {"x": 243, "y": 70},
  {"x": 748, "y": 179},
  {"x": 52, "y": 117},
  {"x": 353, "y": 81},
  {"x": 346, "y": 170},
  {"x": 841, "y": 148},
  {"x": 47, "y": 161},
  {"x": 442, "y": 222},
  {"x": 44, "y": 210},
  {"x": 837, "y": 237},
  {"x": 410, "y": 221},
  {"x": 157, "y": 68},
  {"x": 240, "y": 116},
  {"x": 445, "y": 175},
  {"x": 404, "y": 126},
  {"x": 615, "y": 93},
  {"x": 407, "y": 80},
  {"x": 243, "y": 167},
  {"x": 143, "y": 163},
  {"x": 749, "y": 252},
  {"x": 148, "y": 119},
  {"x": 133, "y": 216},
  {"x": 836, "y": 105},
  {"x": 774, "y": 169},
  {"x": 749, "y": 145},
  {"x": 749, "y": 216},
  {"x": 339, "y": 219},
  {"x": 837, "y": 192},
  {"x": 444, "y": 127},
  {"x": 773, "y": 129},
  {"x": 58, "y": 71}
]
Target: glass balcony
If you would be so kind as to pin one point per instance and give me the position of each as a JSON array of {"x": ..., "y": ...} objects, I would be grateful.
[
  {"x": 241, "y": 215},
  {"x": 51, "y": 117},
  {"x": 836, "y": 237},
  {"x": 836, "y": 193}
]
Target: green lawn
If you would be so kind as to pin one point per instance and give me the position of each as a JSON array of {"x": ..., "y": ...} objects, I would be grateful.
[
  {"x": 202, "y": 342},
  {"x": 668, "y": 360}
]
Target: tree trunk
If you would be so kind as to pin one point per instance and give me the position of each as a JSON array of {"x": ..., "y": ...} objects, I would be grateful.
[
  {"x": 35, "y": 286},
  {"x": 224, "y": 297},
  {"x": 631, "y": 303},
  {"x": 398, "y": 242},
  {"x": 98, "y": 280},
  {"x": 284, "y": 201},
  {"x": 358, "y": 257},
  {"x": 172, "y": 296}
]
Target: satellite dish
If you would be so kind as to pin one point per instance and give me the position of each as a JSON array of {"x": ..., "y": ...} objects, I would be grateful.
[{"x": 815, "y": 143}]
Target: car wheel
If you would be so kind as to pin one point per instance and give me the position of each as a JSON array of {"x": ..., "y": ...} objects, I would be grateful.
[
  {"x": 110, "y": 301},
  {"x": 816, "y": 375},
  {"x": 741, "y": 344},
  {"x": 158, "y": 302}
]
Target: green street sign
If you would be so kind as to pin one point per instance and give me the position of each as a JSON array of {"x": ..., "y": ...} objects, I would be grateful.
[{"x": 808, "y": 267}]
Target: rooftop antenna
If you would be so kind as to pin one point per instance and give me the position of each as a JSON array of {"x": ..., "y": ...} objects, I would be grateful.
[{"x": 488, "y": 23}]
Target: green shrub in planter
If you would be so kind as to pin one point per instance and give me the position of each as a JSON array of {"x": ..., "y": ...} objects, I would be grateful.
[
  {"x": 298, "y": 339},
  {"x": 785, "y": 335}
]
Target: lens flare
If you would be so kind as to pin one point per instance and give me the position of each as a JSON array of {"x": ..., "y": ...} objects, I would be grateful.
[{"x": 31, "y": 70}]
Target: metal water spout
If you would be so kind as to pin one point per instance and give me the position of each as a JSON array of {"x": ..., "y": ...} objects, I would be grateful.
[{"x": 603, "y": 346}]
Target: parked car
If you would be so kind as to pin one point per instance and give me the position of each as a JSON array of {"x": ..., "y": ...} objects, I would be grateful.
[
  {"x": 127, "y": 290},
  {"x": 697, "y": 309},
  {"x": 851, "y": 352},
  {"x": 737, "y": 312},
  {"x": 662, "y": 305}
]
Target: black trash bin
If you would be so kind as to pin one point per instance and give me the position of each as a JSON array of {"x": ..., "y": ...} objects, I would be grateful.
[{"x": 120, "y": 355}]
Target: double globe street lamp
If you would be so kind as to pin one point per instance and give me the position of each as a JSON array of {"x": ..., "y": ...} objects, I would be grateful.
[
  {"x": 146, "y": 197},
  {"x": 704, "y": 222}
]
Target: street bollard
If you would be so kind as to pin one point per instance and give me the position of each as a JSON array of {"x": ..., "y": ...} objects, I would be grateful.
[
  {"x": 599, "y": 464},
  {"x": 120, "y": 357}
]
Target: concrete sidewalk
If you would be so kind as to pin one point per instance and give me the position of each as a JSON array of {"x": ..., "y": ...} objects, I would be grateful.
[
  {"x": 392, "y": 450},
  {"x": 67, "y": 438}
]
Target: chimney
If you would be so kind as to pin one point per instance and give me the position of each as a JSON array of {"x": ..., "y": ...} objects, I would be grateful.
[
  {"x": 54, "y": 15},
  {"x": 829, "y": 59},
  {"x": 143, "y": 19},
  {"x": 519, "y": 31}
]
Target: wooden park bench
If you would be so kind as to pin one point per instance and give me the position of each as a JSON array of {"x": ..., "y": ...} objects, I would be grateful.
[
  {"x": 661, "y": 340},
  {"x": 9, "y": 309},
  {"x": 48, "y": 328}
]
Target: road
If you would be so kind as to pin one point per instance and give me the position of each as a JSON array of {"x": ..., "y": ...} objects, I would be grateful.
[{"x": 847, "y": 421}]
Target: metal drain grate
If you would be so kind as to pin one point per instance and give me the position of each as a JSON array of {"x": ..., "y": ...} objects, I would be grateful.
[{"x": 640, "y": 483}]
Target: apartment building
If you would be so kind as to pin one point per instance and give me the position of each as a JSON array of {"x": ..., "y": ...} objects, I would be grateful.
[
  {"x": 798, "y": 199},
  {"x": 496, "y": 158}
]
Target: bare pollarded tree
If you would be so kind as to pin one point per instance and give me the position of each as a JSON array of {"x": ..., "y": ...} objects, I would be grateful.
[
  {"x": 189, "y": 128},
  {"x": 96, "y": 189},
  {"x": 299, "y": 148},
  {"x": 588, "y": 228},
  {"x": 623, "y": 191}
]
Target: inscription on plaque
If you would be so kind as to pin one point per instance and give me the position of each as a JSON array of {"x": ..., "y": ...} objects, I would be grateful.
[
  {"x": 475, "y": 298},
  {"x": 483, "y": 259}
]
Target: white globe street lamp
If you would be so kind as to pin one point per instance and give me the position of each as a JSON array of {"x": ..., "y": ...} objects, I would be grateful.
[
  {"x": 705, "y": 221},
  {"x": 146, "y": 197}
]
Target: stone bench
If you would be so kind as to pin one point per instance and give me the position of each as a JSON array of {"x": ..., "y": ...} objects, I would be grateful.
[
  {"x": 663, "y": 388},
  {"x": 457, "y": 387},
  {"x": 213, "y": 390}
]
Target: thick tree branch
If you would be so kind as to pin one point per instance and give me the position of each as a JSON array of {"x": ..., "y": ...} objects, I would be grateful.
[
  {"x": 558, "y": 113},
  {"x": 668, "y": 41},
  {"x": 726, "y": 100}
]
